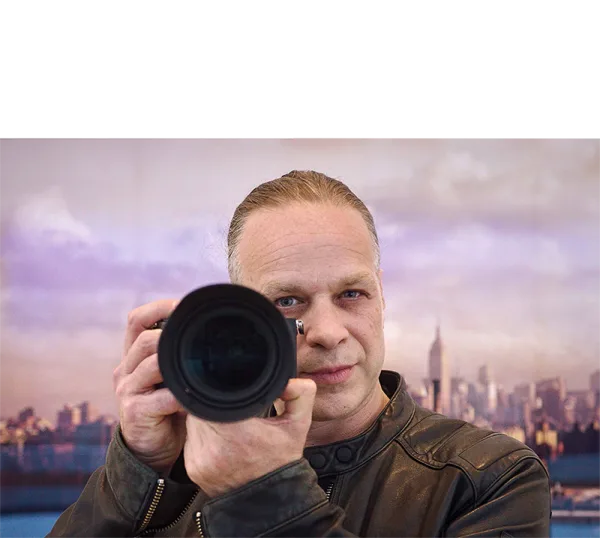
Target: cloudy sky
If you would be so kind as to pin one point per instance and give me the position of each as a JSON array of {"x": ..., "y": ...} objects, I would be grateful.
[{"x": 498, "y": 239}]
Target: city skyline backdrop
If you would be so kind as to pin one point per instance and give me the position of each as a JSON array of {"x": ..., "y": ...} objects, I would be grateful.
[
  {"x": 499, "y": 240},
  {"x": 52, "y": 416}
]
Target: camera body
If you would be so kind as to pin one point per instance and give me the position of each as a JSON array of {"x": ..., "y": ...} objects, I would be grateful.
[{"x": 226, "y": 352}]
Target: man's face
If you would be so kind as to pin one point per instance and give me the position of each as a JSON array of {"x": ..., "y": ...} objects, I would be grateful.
[{"x": 316, "y": 262}]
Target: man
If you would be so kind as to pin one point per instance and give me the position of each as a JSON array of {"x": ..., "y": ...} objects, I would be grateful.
[{"x": 349, "y": 452}]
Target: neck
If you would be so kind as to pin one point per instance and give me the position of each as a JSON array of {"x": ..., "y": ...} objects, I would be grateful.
[{"x": 330, "y": 431}]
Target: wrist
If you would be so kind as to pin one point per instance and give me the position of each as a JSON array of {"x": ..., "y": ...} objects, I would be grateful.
[
  {"x": 157, "y": 462},
  {"x": 224, "y": 483}
]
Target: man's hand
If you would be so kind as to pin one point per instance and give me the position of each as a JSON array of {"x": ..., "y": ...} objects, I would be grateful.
[
  {"x": 222, "y": 457},
  {"x": 152, "y": 421}
]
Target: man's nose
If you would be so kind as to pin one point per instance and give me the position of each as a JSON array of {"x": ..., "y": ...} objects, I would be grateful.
[{"x": 324, "y": 326}]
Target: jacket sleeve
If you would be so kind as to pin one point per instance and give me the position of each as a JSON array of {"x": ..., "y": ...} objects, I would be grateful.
[
  {"x": 517, "y": 503},
  {"x": 286, "y": 502},
  {"x": 118, "y": 497}
]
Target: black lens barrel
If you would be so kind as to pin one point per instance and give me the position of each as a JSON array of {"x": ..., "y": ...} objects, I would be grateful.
[{"x": 226, "y": 352}]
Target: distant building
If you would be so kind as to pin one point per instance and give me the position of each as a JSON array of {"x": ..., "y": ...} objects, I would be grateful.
[
  {"x": 68, "y": 419},
  {"x": 26, "y": 414},
  {"x": 439, "y": 375},
  {"x": 546, "y": 441},
  {"x": 581, "y": 439},
  {"x": 459, "y": 390},
  {"x": 422, "y": 394},
  {"x": 485, "y": 375},
  {"x": 579, "y": 407},
  {"x": 553, "y": 394},
  {"x": 595, "y": 387},
  {"x": 89, "y": 413},
  {"x": 476, "y": 398},
  {"x": 526, "y": 391},
  {"x": 90, "y": 444}
]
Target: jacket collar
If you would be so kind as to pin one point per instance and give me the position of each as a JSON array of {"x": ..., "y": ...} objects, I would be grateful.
[{"x": 345, "y": 455}]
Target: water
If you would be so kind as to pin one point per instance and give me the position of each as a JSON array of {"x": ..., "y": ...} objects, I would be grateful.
[
  {"x": 561, "y": 529},
  {"x": 27, "y": 525},
  {"x": 39, "y": 524}
]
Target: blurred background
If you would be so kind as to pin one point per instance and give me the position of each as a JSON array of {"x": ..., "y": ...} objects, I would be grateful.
[{"x": 490, "y": 252}]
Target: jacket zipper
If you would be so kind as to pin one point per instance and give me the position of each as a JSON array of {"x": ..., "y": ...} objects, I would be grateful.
[
  {"x": 199, "y": 524},
  {"x": 160, "y": 486},
  {"x": 329, "y": 490},
  {"x": 199, "y": 514},
  {"x": 152, "y": 509}
]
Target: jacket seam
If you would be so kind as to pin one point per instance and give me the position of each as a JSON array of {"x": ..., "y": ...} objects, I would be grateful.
[
  {"x": 447, "y": 440},
  {"x": 488, "y": 464},
  {"x": 120, "y": 506},
  {"x": 467, "y": 475},
  {"x": 418, "y": 456},
  {"x": 135, "y": 516},
  {"x": 439, "y": 467},
  {"x": 430, "y": 414},
  {"x": 507, "y": 471},
  {"x": 471, "y": 482}
]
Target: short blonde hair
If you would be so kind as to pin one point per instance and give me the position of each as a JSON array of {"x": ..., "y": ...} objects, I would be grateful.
[{"x": 296, "y": 186}]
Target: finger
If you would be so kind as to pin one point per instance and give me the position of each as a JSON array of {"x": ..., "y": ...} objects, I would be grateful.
[
  {"x": 145, "y": 376},
  {"x": 145, "y": 316},
  {"x": 299, "y": 398},
  {"x": 144, "y": 346},
  {"x": 161, "y": 402}
]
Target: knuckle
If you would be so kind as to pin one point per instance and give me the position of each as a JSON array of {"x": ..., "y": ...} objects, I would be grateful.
[
  {"x": 152, "y": 364},
  {"x": 148, "y": 342},
  {"x": 120, "y": 389},
  {"x": 132, "y": 317}
]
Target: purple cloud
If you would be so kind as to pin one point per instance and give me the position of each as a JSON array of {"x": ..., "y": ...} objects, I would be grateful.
[{"x": 63, "y": 281}]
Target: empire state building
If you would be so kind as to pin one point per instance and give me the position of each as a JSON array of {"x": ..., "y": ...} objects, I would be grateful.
[{"x": 439, "y": 375}]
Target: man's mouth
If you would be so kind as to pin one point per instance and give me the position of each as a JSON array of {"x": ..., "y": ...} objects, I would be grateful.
[{"x": 329, "y": 376}]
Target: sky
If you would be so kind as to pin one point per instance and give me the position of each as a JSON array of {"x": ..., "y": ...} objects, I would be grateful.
[{"x": 499, "y": 240}]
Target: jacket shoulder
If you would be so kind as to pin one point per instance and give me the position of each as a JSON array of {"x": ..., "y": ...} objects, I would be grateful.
[{"x": 484, "y": 455}]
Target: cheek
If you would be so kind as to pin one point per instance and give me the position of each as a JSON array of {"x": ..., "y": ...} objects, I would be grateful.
[{"x": 369, "y": 332}]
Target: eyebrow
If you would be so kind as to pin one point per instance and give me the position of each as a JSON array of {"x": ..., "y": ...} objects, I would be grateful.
[{"x": 291, "y": 288}]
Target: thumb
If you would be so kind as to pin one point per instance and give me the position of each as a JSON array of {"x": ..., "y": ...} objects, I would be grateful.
[{"x": 299, "y": 399}]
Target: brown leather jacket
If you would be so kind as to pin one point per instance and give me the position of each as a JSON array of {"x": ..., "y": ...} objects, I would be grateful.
[{"x": 412, "y": 473}]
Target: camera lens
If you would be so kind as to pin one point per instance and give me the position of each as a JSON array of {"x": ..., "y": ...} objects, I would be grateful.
[{"x": 226, "y": 352}]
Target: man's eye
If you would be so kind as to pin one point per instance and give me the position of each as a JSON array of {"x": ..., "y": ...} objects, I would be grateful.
[
  {"x": 286, "y": 302},
  {"x": 351, "y": 294}
]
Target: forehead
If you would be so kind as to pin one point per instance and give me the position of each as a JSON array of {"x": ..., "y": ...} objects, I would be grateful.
[{"x": 304, "y": 242}]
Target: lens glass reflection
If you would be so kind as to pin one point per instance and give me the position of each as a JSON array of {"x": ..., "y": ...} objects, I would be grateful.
[{"x": 226, "y": 353}]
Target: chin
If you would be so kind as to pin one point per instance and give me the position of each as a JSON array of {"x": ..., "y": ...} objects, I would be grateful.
[{"x": 332, "y": 407}]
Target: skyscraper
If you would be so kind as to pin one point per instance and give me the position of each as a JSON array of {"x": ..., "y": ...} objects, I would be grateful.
[{"x": 439, "y": 373}]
